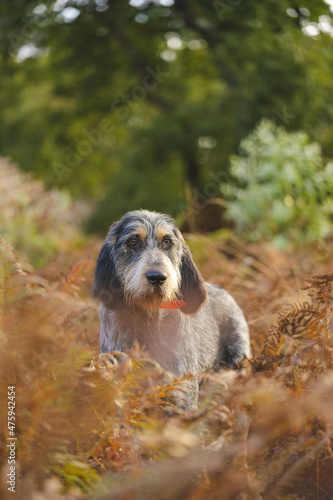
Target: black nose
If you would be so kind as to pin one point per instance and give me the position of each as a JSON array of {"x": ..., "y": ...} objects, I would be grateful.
[{"x": 156, "y": 277}]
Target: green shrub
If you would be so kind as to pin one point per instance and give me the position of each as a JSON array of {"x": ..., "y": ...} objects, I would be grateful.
[{"x": 281, "y": 188}]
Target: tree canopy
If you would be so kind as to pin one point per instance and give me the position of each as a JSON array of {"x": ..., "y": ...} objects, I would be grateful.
[{"x": 141, "y": 103}]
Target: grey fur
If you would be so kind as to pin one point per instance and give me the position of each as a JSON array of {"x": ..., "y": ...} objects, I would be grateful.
[{"x": 209, "y": 332}]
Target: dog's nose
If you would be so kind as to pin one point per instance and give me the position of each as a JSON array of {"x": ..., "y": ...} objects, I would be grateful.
[{"x": 156, "y": 277}]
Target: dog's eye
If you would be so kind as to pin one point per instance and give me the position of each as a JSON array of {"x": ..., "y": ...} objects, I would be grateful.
[
  {"x": 166, "y": 243},
  {"x": 133, "y": 242}
]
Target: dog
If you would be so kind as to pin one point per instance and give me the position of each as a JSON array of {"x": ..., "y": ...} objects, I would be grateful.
[{"x": 151, "y": 292}]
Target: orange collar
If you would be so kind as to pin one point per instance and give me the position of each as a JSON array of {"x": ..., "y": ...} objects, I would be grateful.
[{"x": 173, "y": 304}]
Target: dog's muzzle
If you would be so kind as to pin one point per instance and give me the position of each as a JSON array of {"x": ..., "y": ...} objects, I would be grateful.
[{"x": 156, "y": 277}]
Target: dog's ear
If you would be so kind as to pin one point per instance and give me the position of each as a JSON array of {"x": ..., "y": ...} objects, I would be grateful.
[
  {"x": 107, "y": 287},
  {"x": 193, "y": 289}
]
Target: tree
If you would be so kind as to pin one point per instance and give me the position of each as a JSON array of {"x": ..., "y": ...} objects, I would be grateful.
[{"x": 138, "y": 103}]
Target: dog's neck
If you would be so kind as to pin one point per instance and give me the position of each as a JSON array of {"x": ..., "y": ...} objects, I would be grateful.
[{"x": 172, "y": 304}]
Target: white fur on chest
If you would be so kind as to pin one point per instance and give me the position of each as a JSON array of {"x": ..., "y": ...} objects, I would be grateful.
[{"x": 167, "y": 337}]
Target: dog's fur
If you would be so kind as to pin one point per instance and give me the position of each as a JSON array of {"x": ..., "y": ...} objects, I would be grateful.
[{"x": 210, "y": 331}]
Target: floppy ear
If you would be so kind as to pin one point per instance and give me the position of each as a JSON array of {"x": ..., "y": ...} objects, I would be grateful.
[
  {"x": 107, "y": 287},
  {"x": 192, "y": 287}
]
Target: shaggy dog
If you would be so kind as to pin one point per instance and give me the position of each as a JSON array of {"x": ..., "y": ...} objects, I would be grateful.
[{"x": 152, "y": 293}]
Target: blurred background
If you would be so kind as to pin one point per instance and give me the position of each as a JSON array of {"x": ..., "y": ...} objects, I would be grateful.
[{"x": 219, "y": 113}]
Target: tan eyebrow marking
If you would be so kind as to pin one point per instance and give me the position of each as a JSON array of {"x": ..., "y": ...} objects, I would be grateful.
[
  {"x": 161, "y": 232},
  {"x": 141, "y": 232}
]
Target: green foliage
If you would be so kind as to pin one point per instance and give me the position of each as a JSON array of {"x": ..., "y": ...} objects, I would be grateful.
[
  {"x": 180, "y": 86},
  {"x": 76, "y": 474},
  {"x": 37, "y": 222},
  {"x": 281, "y": 188}
]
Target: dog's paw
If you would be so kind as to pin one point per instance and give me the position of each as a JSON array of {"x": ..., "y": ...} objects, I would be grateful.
[
  {"x": 112, "y": 360},
  {"x": 233, "y": 360},
  {"x": 109, "y": 362}
]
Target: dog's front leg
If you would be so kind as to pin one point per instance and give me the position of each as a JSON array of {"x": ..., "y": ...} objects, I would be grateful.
[
  {"x": 111, "y": 336},
  {"x": 185, "y": 396}
]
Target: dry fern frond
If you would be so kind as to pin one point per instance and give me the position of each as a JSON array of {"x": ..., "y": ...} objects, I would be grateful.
[
  {"x": 321, "y": 288},
  {"x": 75, "y": 276},
  {"x": 305, "y": 321},
  {"x": 272, "y": 343},
  {"x": 8, "y": 255},
  {"x": 296, "y": 320}
]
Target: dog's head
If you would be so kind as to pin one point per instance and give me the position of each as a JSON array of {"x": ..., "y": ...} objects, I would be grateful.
[{"x": 145, "y": 261}]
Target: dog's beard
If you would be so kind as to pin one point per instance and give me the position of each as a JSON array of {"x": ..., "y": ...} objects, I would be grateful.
[
  {"x": 152, "y": 296},
  {"x": 151, "y": 301},
  {"x": 138, "y": 291}
]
